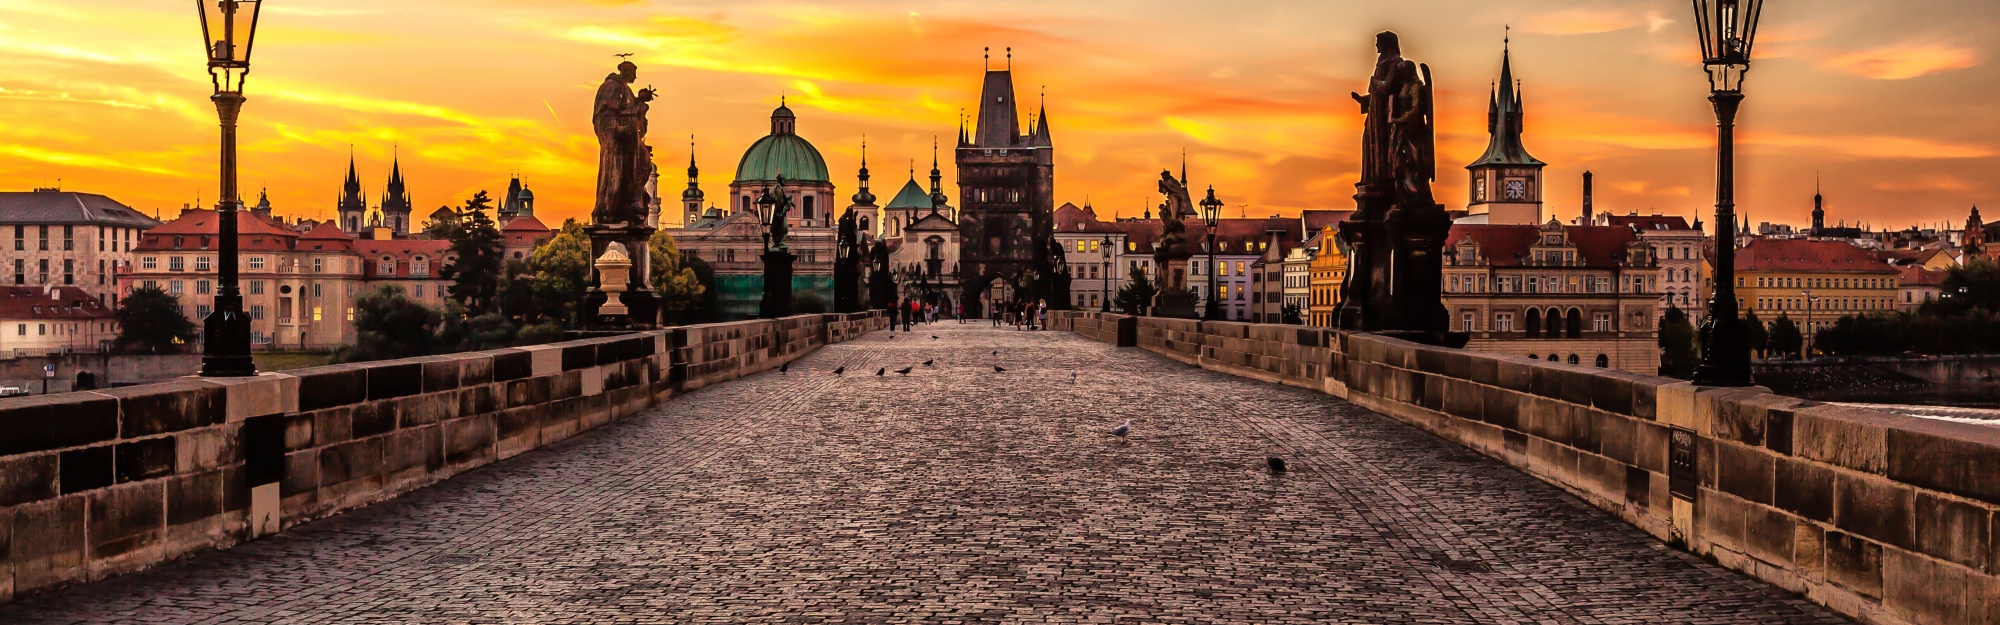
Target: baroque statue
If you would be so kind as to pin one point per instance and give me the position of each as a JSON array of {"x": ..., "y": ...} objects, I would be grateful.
[
  {"x": 1398, "y": 134},
  {"x": 624, "y": 164},
  {"x": 781, "y": 208},
  {"x": 1173, "y": 231}
]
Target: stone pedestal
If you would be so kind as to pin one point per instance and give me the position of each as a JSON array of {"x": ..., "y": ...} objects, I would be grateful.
[
  {"x": 777, "y": 300},
  {"x": 642, "y": 305},
  {"x": 1173, "y": 299}
]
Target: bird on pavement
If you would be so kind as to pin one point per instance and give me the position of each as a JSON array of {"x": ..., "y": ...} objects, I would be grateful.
[
  {"x": 996, "y": 352},
  {"x": 1072, "y": 377},
  {"x": 904, "y": 370},
  {"x": 999, "y": 369},
  {"x": 881, "y": 371},
  {"x": 840, "y": 370},
  {"x": 1277, "y": 464},
  {"x": 1122, "y": 430},
  {"x": 927, "y": 363},
  {"x": 934, "y": 336},
  {"x": 784, "y": 367}
]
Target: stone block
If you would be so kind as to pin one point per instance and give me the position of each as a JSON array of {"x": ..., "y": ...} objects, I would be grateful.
[
  {"x": 1719, "y": 518},
  {"x": 373, "y": 418},
  {"x": 328, "y": 387},
  {"x": 301, "y": 473},
  {"x": 1958, "y": 458},
  {"x": 146, "y": 459},
  {"x": 49, "y": 546},
  {"x": 1516, "y": 375},
  {"x": 1638, "y": 488},
  {"x": 1953, "y": 530},
  {"x": 1464, "y": 400},
  {"x": 167, "y": 407},
  {"x": 28, "y": 478},
  {"x": 1746, "y": 472},
  {"x": 481, "y": 399},
  {"x": 1923, "y": 590},
  {"x": 1600, "y": 476},
  {"x": 420, "y": 448},
  {"x": 474, "y": 368},
  {"x": 1585, "y": 429},
  {"x": 1611, "y": 392},
  {"x": 1854, "y": 563},
  {"x": 1876, "y": 509},
  {"x": 125, "y": 519},
  {"x": 529, "y": 392},
  {"x": 1768, "y": 534},
  {"x": 333, "y": 426},
  {"x": 51, "y": 422},
  {"x": 256, "y": 396},
  {"x": 1502, "y": 407},
  {"x": 1739, "y": 420},
  {"x": 1809, "y": 550},
  {"x": 350, "y": 461},
  {"x": 236, "y": 498},
  {"x": 1850, "y": 438},
  {"x": 194, "y": 498},
  {"x": 426, "y": 409},
  {"x": 569, "y": 383},
  {"x": 1646, "y": 396},
  {"x": 468, "y": 439},
  {"x": 1675, "y": 406},
  {"x": 1649, "y": 446},
  {"x": 544, "y": 360},
  {"x": 512, "y": 364},
  {"x": 86, "y": 469},
  {"x": 1615, "y": 437},
  {"x": 400, "y": 378},
  {"x": 443, "y": 373},
  {"x": 1804, "y": 488},
  {"x": 578, "y": 355},
  {"x": 207, "y": 449}
]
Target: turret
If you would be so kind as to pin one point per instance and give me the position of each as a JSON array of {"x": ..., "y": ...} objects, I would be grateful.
[
  {"x": 351, "y": 207},
  {"x": 692, "y": 198}
]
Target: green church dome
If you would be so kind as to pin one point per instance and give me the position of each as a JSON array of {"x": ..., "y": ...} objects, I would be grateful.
[
  {"x": 782, "y": 152},
  {"x": 912, "y": 196}
]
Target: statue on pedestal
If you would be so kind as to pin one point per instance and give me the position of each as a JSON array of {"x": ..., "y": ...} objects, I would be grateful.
[
  {"x": 1172, "y": 297},
  {"x": 777, "y": 301},
  {"x": 623, "y": 210}
]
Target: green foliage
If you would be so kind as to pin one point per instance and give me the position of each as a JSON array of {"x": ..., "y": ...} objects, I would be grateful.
[
  {"x": 539, "y": 334},
  {"x": 470, "y": 334},
  {"x": 517, "y": 293},
  {"x": 1892, "y": 334},
  {"x": 809, "y": 304},
  {"x": 711, "y": 297},
  {"x": 390, "y": 325},
  {"x": 1758, "y": 334},
  {"x": 680, "y": 290},
  {"x": 562, "y": 272},
  {"x": 1137, "y": 295},
  {"x": 150, "y": 320},
  {"x": 1973, "y": 286},
  {"x": 1786, "y": 340},
  {"x": 1679, "y": 351},
  {"x": 1291, "y": 315},
  {"x": 476, "y": 244}
]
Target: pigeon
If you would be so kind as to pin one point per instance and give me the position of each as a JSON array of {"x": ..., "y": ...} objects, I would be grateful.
[
  {"x": 840, "y": 370},
  {"x": 1122, "y": 430},
  {"x": 784, "y": 367},
  {"x": 928, "y": 363},
  {"x": 1277, "y": 464},
  {"x": 904, "y": 370},
  {"x": 879, "y": 372},
  {"x": 996, "y": 352},
  {"x": 934, "y": 336},
  {"x": 999, "y": 369},
  {"x": 1072, "y": 377}
]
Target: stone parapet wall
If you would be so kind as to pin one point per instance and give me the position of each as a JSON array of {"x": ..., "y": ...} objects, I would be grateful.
[
  {"x": 1113, "y": 328},
  {"x": 1884, "y": 518},
  {"x": 95, "y": 484}
]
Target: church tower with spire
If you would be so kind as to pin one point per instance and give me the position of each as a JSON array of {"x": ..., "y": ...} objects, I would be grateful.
[
  {"x": 1506, "y": 180},
  {"x": 1819, "y": 210},
  {"x": 1006, "y": 186},
  {"x": 692, "y": 199},
  {"x": 396, "y": 204},
  {"x": 867, "y": 216},
  {"x": 352, "y": 207}
]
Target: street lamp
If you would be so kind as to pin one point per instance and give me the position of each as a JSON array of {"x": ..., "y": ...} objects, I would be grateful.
[
  {"x": 1727, "y": 29},
  {"x": 766, "y": 204},
  {"x": 1106, "y": 282},
  {"x": 1805, "y": 350},
  {"x": 228, "y": 28},
  {"x": 1211, "y": 212}
]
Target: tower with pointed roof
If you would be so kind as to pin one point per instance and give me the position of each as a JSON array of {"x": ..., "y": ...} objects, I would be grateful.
[
  {"x": 1506, "y": 180},
  {"x": 352, "y": 207},
  {"x": 510, "y": 204},
  {"x": 1006, "y": 185},
  {"x": 1819, "y": 210},
  {"x": 692, "y": 198},
  {"x": 867, "y": 217},
  {"x": 396, "y": 204},
  {"x": 1974, "y": 240}
]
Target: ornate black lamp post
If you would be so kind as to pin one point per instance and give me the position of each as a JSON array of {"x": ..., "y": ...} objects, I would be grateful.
[
  {"x": 1727, "y": 29},
  {"x": 1211, "y": 212},
  {"x": 228, "y": 29},
  {"x": 1106, "y": 282}
]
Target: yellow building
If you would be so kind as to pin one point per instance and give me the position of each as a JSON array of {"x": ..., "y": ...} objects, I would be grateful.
[
  {"x": 1814, "y": 283},
  {"x": 1326, "y": 273}
]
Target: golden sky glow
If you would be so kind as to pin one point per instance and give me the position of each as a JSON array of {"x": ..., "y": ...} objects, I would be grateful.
[{"x": 1893, "y": 103}]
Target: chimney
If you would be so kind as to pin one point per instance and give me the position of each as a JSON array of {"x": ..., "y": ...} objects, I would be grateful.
[{"x": 1587, "y": 214}]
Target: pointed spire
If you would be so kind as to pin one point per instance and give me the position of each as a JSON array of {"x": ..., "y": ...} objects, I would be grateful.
[
  {"x": 1184, "y": 176},
  {"x": 863, "y": 197},
  {"x": 1505, "y": 118},
  {"x": 692, "y": 170}
]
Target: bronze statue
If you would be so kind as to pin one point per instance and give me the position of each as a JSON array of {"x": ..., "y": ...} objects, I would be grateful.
[
  {"x": 623, "y": 164},
  {"x": 781, "y": 207}
]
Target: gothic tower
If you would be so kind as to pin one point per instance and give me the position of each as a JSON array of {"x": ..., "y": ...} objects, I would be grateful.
[
  {"x": 396, "y": 202},
  {"x": 1975, "y": 234},
  {"x": 510, "y": 204},
  {"x": 1506, "y": 180},
  {"x": 352, "y": 208},
  {"x": 1006, "y": 185},
  {"x": 692, "y": 198},
  {"x": 1819, "y": 210},
  {"x": 866, "y": 214}
]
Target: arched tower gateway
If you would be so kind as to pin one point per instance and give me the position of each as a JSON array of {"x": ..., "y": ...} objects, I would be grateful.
[
  {"x": 352, "y": 208},
  {"x": 1506, "y": 180},
  {"x": 1006, "y": 185},
  {"x": 785, "y": 152}
]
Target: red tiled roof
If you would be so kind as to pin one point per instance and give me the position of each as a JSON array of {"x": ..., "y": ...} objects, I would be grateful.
[
  {"x": 1507, "y": 245},
  {"x": 1069, "y": 218},
  {"x": 1649, "y": 222},
  {"x": 253, "y": 233},
  {"x": 63, "y": 302},
  {"x": 1805, "y": 255},
  {"x": 524, "y": 223},
  {"x": 1139, "y": 234},
  {"x": 1241, "y": 236},
  {"x": 1919, "y": 276},
  {"x": 402, "y": 251}
]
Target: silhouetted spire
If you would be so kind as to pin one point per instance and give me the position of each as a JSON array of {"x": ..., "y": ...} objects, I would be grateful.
[
  {"x": 863, "y": 197},
  {"x": 1504, "y": 119}
]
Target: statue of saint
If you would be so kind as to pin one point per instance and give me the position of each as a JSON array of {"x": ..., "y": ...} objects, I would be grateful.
[
  {"x": 781, "y": 208},
  {"x": 1173, "y": 231},
  {"x": 623, "y": 164}
]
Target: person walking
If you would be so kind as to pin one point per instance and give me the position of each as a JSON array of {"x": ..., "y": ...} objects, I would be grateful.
[
  {"x": 1042, "y": 313},
  {"x": 895, "y": 312}
]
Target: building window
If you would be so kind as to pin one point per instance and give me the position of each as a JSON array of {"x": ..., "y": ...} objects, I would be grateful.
[
  {"x": 149, "y": 263},
  {"x": 387, "y": 267},
  {"x": 20, "y": 271},
  {"x": 419, "y": 291},
  {"x": 257, "y": 312},
  {"x": 1534, "y": 323},
  {"x": 257, "y": 263},
  {"x": 316, "y": 291},
  {"x": 44, "y": 241},
  {"x": 21, "y": 245},
  {"x": 1503, "y": 322},
  {"x": 315, "y": 313},
  {"x": 201, "y": 287},
  {"x": 256, "y": 287},
  {"x": 201, "y": 311},
  {"x": 176, "y": 263},
  {"x": 1468, "y": 322},
  {"x": 350, "y": 313},
  {"x": 174, "y": 287},
  {"x": 1600, "y": 322}
]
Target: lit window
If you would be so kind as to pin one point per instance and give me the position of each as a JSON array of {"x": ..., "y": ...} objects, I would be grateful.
[
  {"x": 315, "y": 313},
  {"x": 350, "y": 313}
]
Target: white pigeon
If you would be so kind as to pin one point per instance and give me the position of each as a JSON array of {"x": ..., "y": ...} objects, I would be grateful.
[{"x": 1122, "y": 430}]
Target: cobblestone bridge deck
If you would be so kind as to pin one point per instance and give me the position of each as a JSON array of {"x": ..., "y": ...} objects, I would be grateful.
[{"x": 957, "y": 494}]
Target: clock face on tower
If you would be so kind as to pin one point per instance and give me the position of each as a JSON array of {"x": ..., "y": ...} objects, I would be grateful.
[{"x": 1516, "y": 189}]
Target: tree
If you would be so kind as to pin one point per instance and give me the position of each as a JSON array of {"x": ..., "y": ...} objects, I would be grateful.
[
  {"x": 1137, "y": 295},
  {"x": 390, "y": 325},
  {"x": 517, "y": 293},
  {"x": 1786, "y": 341},
  {"x": 1291, "y": 315},
  {"x": 680, "y": 290},
  {"x": 562, "y": 271},
  {"x": 1973, "y": 286},
  {"x": 1757, "y": 333},
  {"x": 151, "y": 320},
  {"x": 1679, "y": 351},
  {"x": 476, "y": 245},
  {"x": 711, "y": 297}
]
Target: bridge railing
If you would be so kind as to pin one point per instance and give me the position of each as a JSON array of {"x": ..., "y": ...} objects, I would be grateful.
[
  {"x": 94, "y": 484},
  {"x": 1882, "y": 517}
]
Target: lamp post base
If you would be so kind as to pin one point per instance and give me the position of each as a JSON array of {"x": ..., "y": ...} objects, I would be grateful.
[{"x": 225, "y": 351}]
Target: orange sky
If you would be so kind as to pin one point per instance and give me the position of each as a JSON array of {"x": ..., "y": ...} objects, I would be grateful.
[{"x": 1886, "y": 99}]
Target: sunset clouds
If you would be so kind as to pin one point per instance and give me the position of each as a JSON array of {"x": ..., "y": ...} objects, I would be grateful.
[{"x": 1892, "y": 101}]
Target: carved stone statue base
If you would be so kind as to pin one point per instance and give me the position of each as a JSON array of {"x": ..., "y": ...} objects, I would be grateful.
[
  {"x": 1173, "y": 299},
  {"x": 642, "y": 305},
  {"x": 777, "y": 300}
]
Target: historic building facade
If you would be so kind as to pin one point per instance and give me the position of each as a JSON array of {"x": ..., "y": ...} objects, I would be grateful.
[
  {"x": 1813, "y": 283},
  {"x": 65, "y": 238},
  {"x": 50, "y": 319},
  {"x": 1096, "y": 255},
  {"x": 1324, "y": 276},
  {"x": 1577, "y": 294},
  {"x": 1006, "y": 185},
  {"x": 1681, "y": 250}
]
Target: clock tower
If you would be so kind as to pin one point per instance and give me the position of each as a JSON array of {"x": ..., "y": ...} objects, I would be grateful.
[{"x": 1506, "y": 180}]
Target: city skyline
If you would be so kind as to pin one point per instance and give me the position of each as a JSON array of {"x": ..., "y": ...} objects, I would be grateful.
[{"x": 1887, "y": 110}]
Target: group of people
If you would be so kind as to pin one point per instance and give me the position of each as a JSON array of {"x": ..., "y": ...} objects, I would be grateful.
[
  {"x": 1034, "y": 315},
  {"x": 911, "y": 312}
]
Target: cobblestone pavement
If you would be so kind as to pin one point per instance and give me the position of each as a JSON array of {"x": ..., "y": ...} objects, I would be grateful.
[{"x": 961, "y": 495}]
